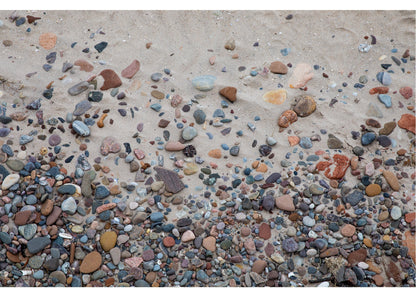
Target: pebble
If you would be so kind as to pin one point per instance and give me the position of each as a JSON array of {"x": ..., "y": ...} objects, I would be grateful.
[
  {"x": 304, "y": 105},
  {"x": 111, "y": 79},
  {"x": 229, "y": 93},
  {"x": 199, "y": 116},
  {"x": 78, "y": 88},
  {"x": 300, "y": 76},
  {"x": 384, "y": 78},
  {"x": 407, "y": 121},
  {"x": 276, "y": 97},
  {"x": 131, "y": 70},
  {"x": 285, "y": 202},
  {"x": 80, "y": 128},
  {"x": 385, "y": 99},
  {"x": 278, "y": 67},
  {"x": 189, "y": 133},
  {"x": 406, "y": 92},
  {"x": 204, "y": 83}
]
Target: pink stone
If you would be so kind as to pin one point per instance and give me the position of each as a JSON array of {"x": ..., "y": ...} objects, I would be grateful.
[
  {"x": 131, "y": 70},
  {"x": 265, "y": 231},
  {"x": 173, "y": 146},
  {"x": 285, "y": 202},
  {"x": 406, "y": 92},
  {"x": 109, "y": 145},
  {"x": 258, "y": 266},
  {"x": 245, "y": 231},
  {"x": 369, "y": 169},
  {"x": 176, "y": 100},
  {"x": 250, "y": 246},
  {"x": 301, "y": 75},
  {"x": 348, "y": 230},
  {"x": 84, "y": 65},
  {"x": 139, "y": 154},
  {"x": 188, "y": 235},
  {"x": 134, "y": 261}
]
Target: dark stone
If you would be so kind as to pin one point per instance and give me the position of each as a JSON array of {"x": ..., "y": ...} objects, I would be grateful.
[{"x": 173, "y": 183}]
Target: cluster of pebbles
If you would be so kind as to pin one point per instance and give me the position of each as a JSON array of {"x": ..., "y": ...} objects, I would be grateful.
[{"x": 341, "y": 216}]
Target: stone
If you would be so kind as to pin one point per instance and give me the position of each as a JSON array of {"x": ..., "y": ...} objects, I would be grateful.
[
  {"x": 168, "y": 241},
  {"x": 265, "y": 231},
  {"x": 230, "y": 44},
  {"x": 379, "y": 90},
  {"x": 357, "y": 256},
  {"x": 109, "y": 145},
  {"x": 68, "y": 189},
  {"x": 373, "y": 190},
  {"x": 173, "y": 184},
  {"x": 384, "y": 78},
  {"x": 290, "y": 245},
  {"x": 229, "y": 93},
  {"x": 25, "y": 139},
  {"x": 308, "y": 221},
  {"x": 215, "y": 153},
  {"x": 285, "y": 202},
  {"x": 37, "y": 244},
  {"x": 47, "y": 40},
  {"x": 176, "y": 100},
  {"x": 131, "y": 70},
  {"x": 385, "y": 99},
  {"x": 101, "y": 192},
  {"x": 334, "y": 142},
  {"x": 374, "y": 111},
  {"x": 78, "y": 88},
  {"x": 348, "y": 230},
  {"x": 373, "y": 123},
  {"x": 157, "y": 94},
  {"x": 396, "y": 212},
  {"x": 15, "y": 164},
  {"x": 278, "y": 67},
  {"x": 189, "y": 133},
  {"x": 407, "y": 121},
  {"x": 275, "y": 97},
  {"x": 301, "y": 75},
  {"x": 54, "y": 140},
  {"x": 209, "y": 243},
  {"x": 111, "y": 79},
  {"x": 9, "y": 181},
  {"x": 304, "y": 105},
  {"x": 174, "y": 146},
  {"x": 388, "y": 128},
  {"x": 190, "y": 168},
  {"x": 101, "y": 46},
  {"x": 188, "y": 235},
  {"x": 80, "y": 128},
  {"x": 108, "y": 240},
  {"x": 69, "y": 205},
  {"x": 410, "y": 243},
  {"x": 234, "y": 150},
  {"x": 341, "y": 163},
  {"x": 91, "y": 262},
  {"x": 84, "y": 65},
  {"x": 82, "y": 107},
  {"x": 95, "y": 96},
  {"x": 406, "y": 92},
  {"x": 305, "y": 142},
  {"x": 392, "y": 180},
  {"x": 199, "y": 116},
  {"x": 53, "y": 216},
  {"x": 259, "y": 266},
  {"x": 204, "y": 83}
]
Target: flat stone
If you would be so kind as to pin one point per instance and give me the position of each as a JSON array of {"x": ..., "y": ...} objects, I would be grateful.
[
  {"x": 188, "y": 235},
  {"x": 357, "y": 256},
  {"x": 84, "y": 65},
  {"x": 109, "y": 145},
  {"x": 304, "y": 105},
  {"x": 111, "y": 79},
  {"x": 301, "y": 75},
  {"x": 348, "y": 230},
  {"x": 173, "y": 183},
  {"x": 91, "y": 262},
  {"x": 396, "y": 212},
  {"x": 278, "y": 67},
  {"x": 285, "y": 202},
  {"x": 204, "y": 83},
  {"x": 80, "y": 128},
  {"x": 174, "y": 146},
  {"x": 47, "y": 40},
  {"x": 229, "y": 93},
  {"x": 78, "y": 88},
  {"x": 54, "y": 140},
  {"x": 276, "y": 97},
  {"x": 189, "y": 133},
  {"x": 15, "y": 165},
  {"x": 37, "y": 244},
  {"x": 69, "y": 205},
  {"x": 334, "y": 142},
  {"x": 406, "y": 92},
  {"x": 407, "y": 121},
  {"x": 388, "y": 128},
  {"x": 392, "y": 180},
  {"x": 265, "y": 231},
  {"x": 373, "y": 190},
  {"x": 82, "y": 107},
  {"x": 354, "y": 198},
  {"x": 54, "y": 215},
  {"x": 209, "y": 243},
  {"x": 108, "y": 240},
  {"x": 9, "y": 181},
  {"x": 131, "y": 70}
]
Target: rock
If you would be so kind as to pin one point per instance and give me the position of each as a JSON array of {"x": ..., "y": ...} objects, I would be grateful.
[
  {"x": 47, "y": 207},
  {"x": 131, "y": 70},
  {"x": 348, "y": 230},
  {"x": 174, "y": 146},
  {"x": 305, "y": 143},
  {"x": 230, "y": 93},
  {"x": 84, "y": 65},
  {"x": 53, "y": 216},
  {"x": 373, "y": 190},
  {"x": 47, "y": 40},
  {"x": 357, "y": 256},
  {"x": 15, "y": 165},
  {"x": 368, "y": 138},
  {"x": 190, "y": 168},
  {"x": 209, "y": 243},
  {"x": 95, "y": 96},
  {"x": 37, "y": 244},
  {"x": 22, "y": 217},
  {"x": 204, "y": 83},
  {"x": 111, "y": 79},
  {"x": 157, "y": 94},
  {"x": 259, "y": 266},
  {"x": 384, "y": 78},
  {"x": 391, "y": 180},
  {"x": 91, "y": 262},
  {"x": 410, "y": 243},
  {"x": 276, "y": 97},
  {"x": 388, "y": 128},
  {"x": 286, "y": 118},
  {"x": 168, "y": 241},
  {"x": 234, "y": 150},
  {"x": 189, "y": 133},
  {"x": 301, "y": 75},
  {"x": 54, "y": 140},
  {"x": 188, "y": 235},
  {"x": 407, "y": 121},
  {"x": 230, "y": 44},
  {"x": 199, "y": 116},
  {"x": 278, "y": 67},
  {"x": 334, "y": 142},
  {"x": 385, "y": 99},
  {"x": 173, "y": 184},
  {"x": 69, "y": 205},
  {"x": 176, "y": 101},
  {"x": 290, "y": 245},
  {"x": 108, "y": 240},
  {"x": 373, "y": 123},
  {"x": 25, "y": 139},
  {"x": 265, "y": 231},
  {"x": 109, "y": 145},
  {"x": 101, "y": 192},
  {"x": 101, "y": 46},
  {"x": 78, "y": 88},
  {"x": 82, "y": 107},
  {"x": 308, "y": 221},
  {"x": 396, "y": 212},
  {"x": 406, "y": 92},
  {"x": 285, "y": 202},
  {"x": 379, "y": 90},
  {"x": 80, "y": 128},
  {"x": 9, "y": 181},
  {"x": 304, "y": 105},
  {"x": 215, "y": 153}
]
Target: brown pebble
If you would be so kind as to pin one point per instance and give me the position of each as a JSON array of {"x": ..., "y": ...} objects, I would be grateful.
[
  {"x": 373, "y": 123},
  {"x": 47, "y": 40},
  {"x": 229, "y": 93},
  {"x": 111, "y": 79},
  {"x": 157, "y": 94},
  {"x": 278, "y": 67}
]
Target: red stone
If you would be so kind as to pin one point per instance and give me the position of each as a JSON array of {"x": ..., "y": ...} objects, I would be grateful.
[
  {"x": 265, "y": 231},
  {"x": 357, "y": 256},
  {"x": 22, "y": 217},
  {"x": 111, "y": 79},
  {"x": 131, "y": 70},
  {"x": 229, "y": 93},
  {"x": 168, "y": 241},
  {"x": 335, "y": 169},
  {"x": 407, "y": 121},
  {"x": 406, "y": 92},
  {"x": 379, "y": 90}
]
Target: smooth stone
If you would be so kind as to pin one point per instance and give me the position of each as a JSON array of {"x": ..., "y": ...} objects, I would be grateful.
[
  {"x": 25, "y": 139},
  {"x": 385, "y": 99},
  {"x": 368, "y": 138},
  {"x": 95, "y": 96},
  {"x": 304, "y": 105},
  {"x": 111, "y": 79},
  {"x": 188, "y": 235},
  {"x": 101, "y": 46},
  {"x": 131, "y": 70},
  {"x": 204, "y": 83},
  {"x": 407, "y": 121},
  {"x": 334, "y": 142},
  {"x": 37, "y": 244},
  {"x": 392, "y": 180},
  {"x": 54, "y": 140},
  {"x": 101, "y": 192},
  {"x": 384, "y": 78},
  {"x": 308, "y": 221},
  {"x": 4, "y": 132},
  {"x": 354, "y": 198},
  {"x": 173, "y": 146},
  {"x": 68, "y": 189},
  {"x": 301, "y": 75},
  {"x": 406, "y": 92},
  {"x": 69, "y": 205},
  {"x": 230, "y": 93},
  {"x": 91, "y": 262},
  {"x": 108, "y": 240},
  {"x": 305, "y": 143},
  {"x": 285, "y": 202},
  {"x": 234, "y": 150},
  {"x": 199, "y": 116},
  {"x": 395, "y": 212},
  {"x": 189, "y": 133},
  {"x": 15, "y": 165},
  {"x": 80, "y": 128},
  {"x": 78, "y": 88},
  {"x": 278, "y": 67},
  {"x": 9, "y": 181},
  {"x": 374, "y": 111}
]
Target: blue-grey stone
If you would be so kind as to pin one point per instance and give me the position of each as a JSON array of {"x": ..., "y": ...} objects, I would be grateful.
[
  {"x": 156, "y": 107},
  {"x": 202, "y": 276},
  {"x": 156, "y": 217},
  {"x": 354, "y": 198},
  {"x": 39, "y": 275},
  {"x": 25, "y": 139},
  {"x": 189, "y": 133},
  {"x": 82, "y": 107},
  {"x": 204, "y": 82},
  {"x": 305, "y": 142},
  {"x": 5, "y": 238},
  {"x": 5, "y": 148},
  {"x": 218, "y": 113},
  {"x": 31, "y": 199},
  {"x": 156, "y": 76},
  {"x": 69, "y": 205},
  {"x": 80, "y": 128},
  {"x": 101, "y": 46},
  {"x": 235, "y": 150},
  {"x": 78, "y": 88},
  {"x": 4, "y": 132},
  {"x": 37, "y": 244},
  {"x": 67, "y": 189},
  {"x": 199, "y": 116},
  {"x": 368, "y": 138},
  {"x": 384, "y": 78},
  {"x": 385, "y": 99},
  {"x": 101, "y": 192}
]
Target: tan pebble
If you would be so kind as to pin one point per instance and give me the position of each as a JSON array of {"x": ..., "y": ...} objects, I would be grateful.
[
  {"x": 348, "y": 230},
  {"x": 235, "y": 56},
  {"x": 354, "y": 162},
  {"x": 373, "y": 190},
  {"x": 215, "y": 153},
  {"x": 276, "y": 97},
  {"x": 212, "y": 60},
  {"x": 100, "y": 122},
  {"x": 391, "y": 180},
  {"x": 47, "y": 40},
  {"x": 262, "y": 168},
  {"x": 286, "y": 118},
  {"x": 255, "y": 164},
  {"x": 293, "y": 140}
]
